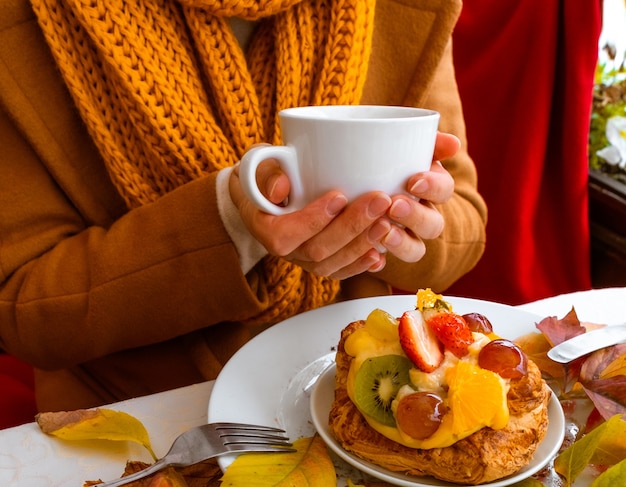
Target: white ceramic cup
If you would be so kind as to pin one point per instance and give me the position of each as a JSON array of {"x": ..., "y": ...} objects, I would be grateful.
[{"x": 354, "y": 149}]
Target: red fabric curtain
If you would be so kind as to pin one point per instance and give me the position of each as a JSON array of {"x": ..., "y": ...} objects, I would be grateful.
[
  {"x": 525, "y": 72},
  {"x": 17, "y": 392}
]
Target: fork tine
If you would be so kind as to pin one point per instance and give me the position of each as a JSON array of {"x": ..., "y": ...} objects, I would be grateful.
[
  {"x": 240, "y": 433},
  {"x": 242, "y": 437},
  {"x": 244, "y": 447},
  {"x": 255, "y": 440},
  {"x": 246, "y": 427}
]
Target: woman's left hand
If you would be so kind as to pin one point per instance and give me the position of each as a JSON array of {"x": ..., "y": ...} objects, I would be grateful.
[{"x": 417, "y": 219}]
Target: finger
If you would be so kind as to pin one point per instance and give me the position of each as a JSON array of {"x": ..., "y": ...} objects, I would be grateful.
[
  {"x": 350, "y": 256},
  {"x": 272, "y": 181},
  {"x": 371, "y": 261},
  {"x": 436, "y": 185},
  {"x": 446, "y": 145},
  {"x": 421, "y": 217},
  {"x": 404, "y": 245},
  {"x": 280, "y": 235},
  {"x": 349, "y": 230}
]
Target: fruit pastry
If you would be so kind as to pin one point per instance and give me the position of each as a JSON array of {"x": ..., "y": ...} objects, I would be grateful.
[{"x": 438, "y": 394}]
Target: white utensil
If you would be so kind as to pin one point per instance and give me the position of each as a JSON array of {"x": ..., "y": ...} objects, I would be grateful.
[{"x": 588, "y": 342}]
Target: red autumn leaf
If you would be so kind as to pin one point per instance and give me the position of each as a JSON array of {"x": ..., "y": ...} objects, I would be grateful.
[
  {"x": 558, "y": 330},
  {"x": 599, "y": 361},
  {"x": 607, "y": 393}
]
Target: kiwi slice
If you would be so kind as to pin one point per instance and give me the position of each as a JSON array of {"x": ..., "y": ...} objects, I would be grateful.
[{"x": 376, "y": 384}]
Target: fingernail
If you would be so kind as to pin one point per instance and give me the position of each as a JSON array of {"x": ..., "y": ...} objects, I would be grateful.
[
  {"x": 337, "y": 204},
  {"x": 419, "y": 186},
  {"x": 378, "y": 206},
  {"x": 393, "y": 238},
  {"x": 400, "y": 209},
  {"x": 378, "y": 266},
  {"x": 271, "y": 183}
]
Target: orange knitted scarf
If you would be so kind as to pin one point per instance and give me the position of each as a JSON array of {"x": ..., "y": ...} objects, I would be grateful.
[{"x": 169, "y": 96}]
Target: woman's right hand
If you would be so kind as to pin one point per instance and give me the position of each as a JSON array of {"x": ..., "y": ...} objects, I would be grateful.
[{"x": 327, "y": 237}]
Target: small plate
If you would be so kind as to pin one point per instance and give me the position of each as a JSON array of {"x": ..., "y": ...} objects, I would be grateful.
[{"x": 321, "y": 401}]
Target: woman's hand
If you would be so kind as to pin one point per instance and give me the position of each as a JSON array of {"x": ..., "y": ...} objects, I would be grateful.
[
  {"x": 332, "y": 238},
  {"x": 327, "y": 237},
  {"x": 418, "y": 219}
]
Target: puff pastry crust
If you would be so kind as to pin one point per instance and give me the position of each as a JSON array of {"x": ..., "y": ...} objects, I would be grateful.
[{"x": 485, "y": 456}]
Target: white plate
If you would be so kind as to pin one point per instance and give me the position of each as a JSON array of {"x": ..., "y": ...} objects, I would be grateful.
[
  {"x": 321, "y": 401},
  {"x": 270, "y": 379}
]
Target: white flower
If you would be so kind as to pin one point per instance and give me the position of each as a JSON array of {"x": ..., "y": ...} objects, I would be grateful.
[{"x": 615, "y": 153}]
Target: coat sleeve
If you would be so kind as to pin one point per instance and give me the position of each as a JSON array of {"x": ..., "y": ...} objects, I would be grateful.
[
  {"x": 80, "y": 276},
  {"x": 73, "y": 290}
]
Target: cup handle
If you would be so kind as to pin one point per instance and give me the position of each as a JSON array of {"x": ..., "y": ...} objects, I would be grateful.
[{"x": 286, "y": 157}]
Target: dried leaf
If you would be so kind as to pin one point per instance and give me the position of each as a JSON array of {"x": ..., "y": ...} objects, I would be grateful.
[
  {"x": 310, "y": 466},
  {"x": 167, "y": 477},
  {"x": 610, "y": 358},
  {"x": 606, "y": 390},
  {"x": 616, "y": 475},
  {"x": 557, "y": 331},
  {"x": 528, "y": 482},
  {"x": 200, "y": 474},
  {"x": 535, "y": 346},
  {"x": 615, "y": 368},
  {"x": 605, "y": 445},
  {"x": 605, "y": 364},
  {"x": 95, "y": 424}
]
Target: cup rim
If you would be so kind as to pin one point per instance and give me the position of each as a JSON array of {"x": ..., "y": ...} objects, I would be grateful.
[{"x": 397, "y": 112}]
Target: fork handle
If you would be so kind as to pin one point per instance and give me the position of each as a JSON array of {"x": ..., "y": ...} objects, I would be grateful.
[{"x": 155, "y": 467}]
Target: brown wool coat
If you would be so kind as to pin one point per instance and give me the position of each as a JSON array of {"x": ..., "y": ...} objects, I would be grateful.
[{"x": 108, "y": 303}]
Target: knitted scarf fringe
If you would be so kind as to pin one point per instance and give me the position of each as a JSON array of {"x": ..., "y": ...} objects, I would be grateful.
[{"x": 169, "y": 96}]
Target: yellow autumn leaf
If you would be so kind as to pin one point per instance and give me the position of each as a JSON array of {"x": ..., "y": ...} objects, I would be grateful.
[
  {"x": 611, "y": 448},
  {"x": 95, "y": 424},
  {"x": 615, "y": 368},
  {"x": 310, "y": 466},
  {"x": 616, "y": 475},
  {"x": 529, "y": 482},
  {"x": 604, "y": 445}
]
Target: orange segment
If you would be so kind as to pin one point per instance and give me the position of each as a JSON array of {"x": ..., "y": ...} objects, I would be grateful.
[
  {"x": 426, "y": 298},
  {"x": 477, "y": 398}
]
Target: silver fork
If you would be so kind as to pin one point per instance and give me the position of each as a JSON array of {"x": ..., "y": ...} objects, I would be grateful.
[{"x": 211, "y": 440}]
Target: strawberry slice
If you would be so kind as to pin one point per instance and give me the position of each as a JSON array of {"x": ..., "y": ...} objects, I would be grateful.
[
  {"x": 453, "y": 331},
  {"x": 419, "y": 341}
]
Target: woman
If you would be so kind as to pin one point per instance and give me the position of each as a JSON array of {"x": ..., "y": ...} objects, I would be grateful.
[{"x": 131, "y": 262}]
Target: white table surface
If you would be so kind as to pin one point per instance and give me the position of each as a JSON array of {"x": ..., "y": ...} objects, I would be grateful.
[
  {"x": 603, "y": 306},
  {"x": 30, "y": 459}
]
